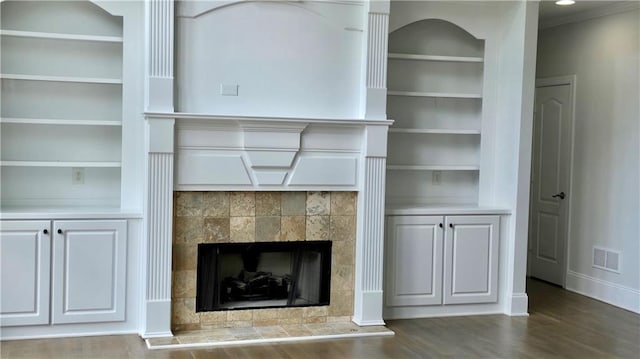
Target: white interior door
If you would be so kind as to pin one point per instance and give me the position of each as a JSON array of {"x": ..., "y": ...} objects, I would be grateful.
[{"x": 550, "y": 181}]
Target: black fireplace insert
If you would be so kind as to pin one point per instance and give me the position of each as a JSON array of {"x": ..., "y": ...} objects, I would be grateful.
[{"x": 263, "y": 275}]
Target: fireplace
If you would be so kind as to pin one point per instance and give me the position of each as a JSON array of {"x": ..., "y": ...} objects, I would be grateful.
[{"x": 233, "y": 276}]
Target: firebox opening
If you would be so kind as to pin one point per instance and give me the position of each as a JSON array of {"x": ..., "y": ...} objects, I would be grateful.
[{"x": 263, "y": 275}]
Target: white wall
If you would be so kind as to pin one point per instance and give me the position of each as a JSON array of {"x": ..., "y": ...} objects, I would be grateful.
[
  {"x": 604, "y": 54},
  {"x": 290, "y": 59}
]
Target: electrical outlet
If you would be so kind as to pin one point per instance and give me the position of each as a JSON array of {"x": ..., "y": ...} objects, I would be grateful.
[
  {"x": 77, "y": 175},
  {"x": 436, "y": 178},
  {"x": 229, "y": 90}
]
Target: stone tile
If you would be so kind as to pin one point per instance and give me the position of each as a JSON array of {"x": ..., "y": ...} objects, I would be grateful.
[
  {"x": 318, "y": 204},
  {"x": 243, "y": 229},
  {"x": 315, "y": 311},
  {"x": 239, "y": 324},
  {"x": 341, "y": 303},
  {"x": 163, "y": 341},
  {"x": 185, "y": 256},
  {"x": 293, "y": 203},
  {"x": 267, "y": 229},
  {"x": 296, "y": 330},
  {"x": 271, "y": 332},
  {"x": 293, "y": 228},
  {"x": 342, "y": 277},
  {"x": 188, "y": 230},
  {"x": 212, "y": 326},
  {"x": 314, "y": 320},
  {"x": 343, "y": 203},
  {"x": 318, "y": 228},
  {"x": 265, "y": 322},
  {"x": 236, "y": 315},
  {"x": 184, "y": 311},
  {"x": 188, "y": 204},
  {"x": 242, "y": 204},
  {"x": 343, "y": 253},
  {"x": 341, "y": 319},
  {"x": 268, "y": 203},
  {"x": 184, "y": 284},
  {"x": 343, "y": 228},
  {"x": 191, "y": 339},
  {"x": 289, "y": 320},
  {"x": 217, "y": 230},
  {"x": 212, "y": 317},
  {"x": 216, "y": 204},
  {"x": 264, "y": 314},
  {"x": 186, "y": 327}
]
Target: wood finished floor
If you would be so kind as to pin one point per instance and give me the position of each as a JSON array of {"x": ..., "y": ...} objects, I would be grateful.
[{"x": 561, "y": 325}]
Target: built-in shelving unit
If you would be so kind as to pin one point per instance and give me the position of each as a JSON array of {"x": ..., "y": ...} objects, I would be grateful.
[
  {"x": 435, "y": 80},
  {"x": 62, "y": 114}
]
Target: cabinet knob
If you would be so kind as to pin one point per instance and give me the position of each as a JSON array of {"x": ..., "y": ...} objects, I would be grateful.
[
  {"x": 450, "y": 225},
  {"x": 440, "y": 225},
  {"x": 45, "y": 231},
  {"x": 59, "y": 231}
]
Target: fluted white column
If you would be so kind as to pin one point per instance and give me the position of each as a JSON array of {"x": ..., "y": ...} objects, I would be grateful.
[
  {"x": 375, "y": 92},
  {"x": 159, "y": 139},
  {"x": 368, "y": 302}
]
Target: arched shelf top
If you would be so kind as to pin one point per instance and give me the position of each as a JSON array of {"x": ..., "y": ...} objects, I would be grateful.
[{"x": 435, "y": 37}]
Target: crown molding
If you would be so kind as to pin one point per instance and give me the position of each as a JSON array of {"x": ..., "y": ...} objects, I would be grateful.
[{"x": 604, "y": 10}]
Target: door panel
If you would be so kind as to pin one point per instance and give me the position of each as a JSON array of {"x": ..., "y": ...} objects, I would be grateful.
[
  {"x": 549, "y": 178},
  {"x": 89, "y": 271},
  {"x": 471, "y": 252},
  {"x": 414, "y": 261},
  {"x": 24, "y": 269}
]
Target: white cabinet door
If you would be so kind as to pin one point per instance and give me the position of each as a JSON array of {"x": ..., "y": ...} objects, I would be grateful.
[
  {"x": 414, "y": 260},
  {"x": 471, "y": 259},
  {"x": 25, "y": 250},
  {"x": 89, "y": 271}
]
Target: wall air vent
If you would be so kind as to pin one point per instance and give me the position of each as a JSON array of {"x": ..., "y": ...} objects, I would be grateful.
[{"x": 606, "y": 259}]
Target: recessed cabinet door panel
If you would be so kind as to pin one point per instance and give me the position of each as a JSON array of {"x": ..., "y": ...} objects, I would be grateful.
[
  {"x": 89, "y": 275},
  {"x": 471, "y": 259},
  {"x": 25, "y": 251},
  {"x": 414, "y": 261}
]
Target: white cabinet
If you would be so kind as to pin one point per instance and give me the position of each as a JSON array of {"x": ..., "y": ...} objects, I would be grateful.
[
  {"x": 81, "y": 263},
  {"x": 25, "y": 248},
  {"x": 433, "y": 260}
]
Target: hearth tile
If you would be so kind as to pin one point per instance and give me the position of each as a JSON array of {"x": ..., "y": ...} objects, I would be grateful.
[
  {"x": 271, "y": 332},
  {"x": 244, "y": 333},
  {"x": 318, "y": 203},
  {"x": 267, "y": 229},
  {"x": 320, "y": 329},
  {"x": 289, "y": 320},
  {"x": 188, "y": 230},
  {"x": 217, "y": 230},
  {"x": 211, "y": 326},
  {"x": 293, "y": 203},
  {"x": 164, "y": 341},
  {"x": 297, "y": 330},
  {"x": 239, "y": 324},
  {"x": 343, "y": 253},
  {"x": 191, "y": 339},
  {"x": 315, "y": 311},
  {"x": 184, "y": 311},
  {"x": 268, "y": 204},
  {"x": 293, "y": 228},
  {"x": 339, "y": 319},
  {"x": 343, "y": 203},
  {"x": 212, "y": 317},
  {"x": 343, "y": 228},
  {"x": 243, "y": 229},
  {"x": 266, "y": 322},
  {"x": 341, "y": 303},
  {"x": 318, "y": 228},
  {"x": 184, "y": 284},
  {"x": 242, "y": 204},
  {"x": 314, "y": 320},
  {"x": 216, "y": 204},
  {"x": 236, "y": 315},
  {"x": 341, "y": 277},
  {"x": 185, "y": 256},
  {"x": 263, "y": 314},
  {"x": 188, "y": 204},
  {"x": 186, "y": 327},
  {"x": 220, "y": 338}
]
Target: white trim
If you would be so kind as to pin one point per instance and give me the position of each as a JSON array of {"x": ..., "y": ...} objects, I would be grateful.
[
  {"x": 572, "y": 81},
  {"x": 63, "y": 335},
  {"x": 387, "y": 333},
  {"x": 604, "y": 10},
  {"x": 437, "y": 311},
  {"x": 602, "y": 290},
  {"x": 61, "y": 36},
  {"x": 180, "y": 116},
  {"x": 420, "y": 57},
  {"x": 519, "y": 305}
]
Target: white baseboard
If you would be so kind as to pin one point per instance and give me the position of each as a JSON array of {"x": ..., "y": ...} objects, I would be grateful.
[
  {"x": 611, "y": 293},
  {"x": 519, "y": 305}
]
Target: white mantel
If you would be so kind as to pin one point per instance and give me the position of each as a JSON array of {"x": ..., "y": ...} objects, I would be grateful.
[{"x": 214, "y": 152}]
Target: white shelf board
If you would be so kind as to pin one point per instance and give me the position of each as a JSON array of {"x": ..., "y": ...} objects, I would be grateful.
[
  {"x": 441, "y": 131},
  {"x": 420, "y": 57},
  {"x": 90, "y": 80},
  {"x": 443, "y": 209},
  {"x": 433, "y": 167},
  {"x": 67, "y": 212},
  {"x": 60, "y": 36},
  {"x": 103, "y": 164},
  {"x": 433, "y": 94},
  {"x": 54, "y": 121}
]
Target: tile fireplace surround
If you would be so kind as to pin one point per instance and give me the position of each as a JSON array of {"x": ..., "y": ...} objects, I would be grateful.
[{"x": 232, "y": 217}]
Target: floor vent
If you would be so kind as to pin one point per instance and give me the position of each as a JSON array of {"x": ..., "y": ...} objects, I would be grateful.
[{"x": 606, "y": 259}]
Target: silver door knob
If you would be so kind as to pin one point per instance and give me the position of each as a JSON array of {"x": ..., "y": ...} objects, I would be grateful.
[{"x": 560, "y": 195}]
